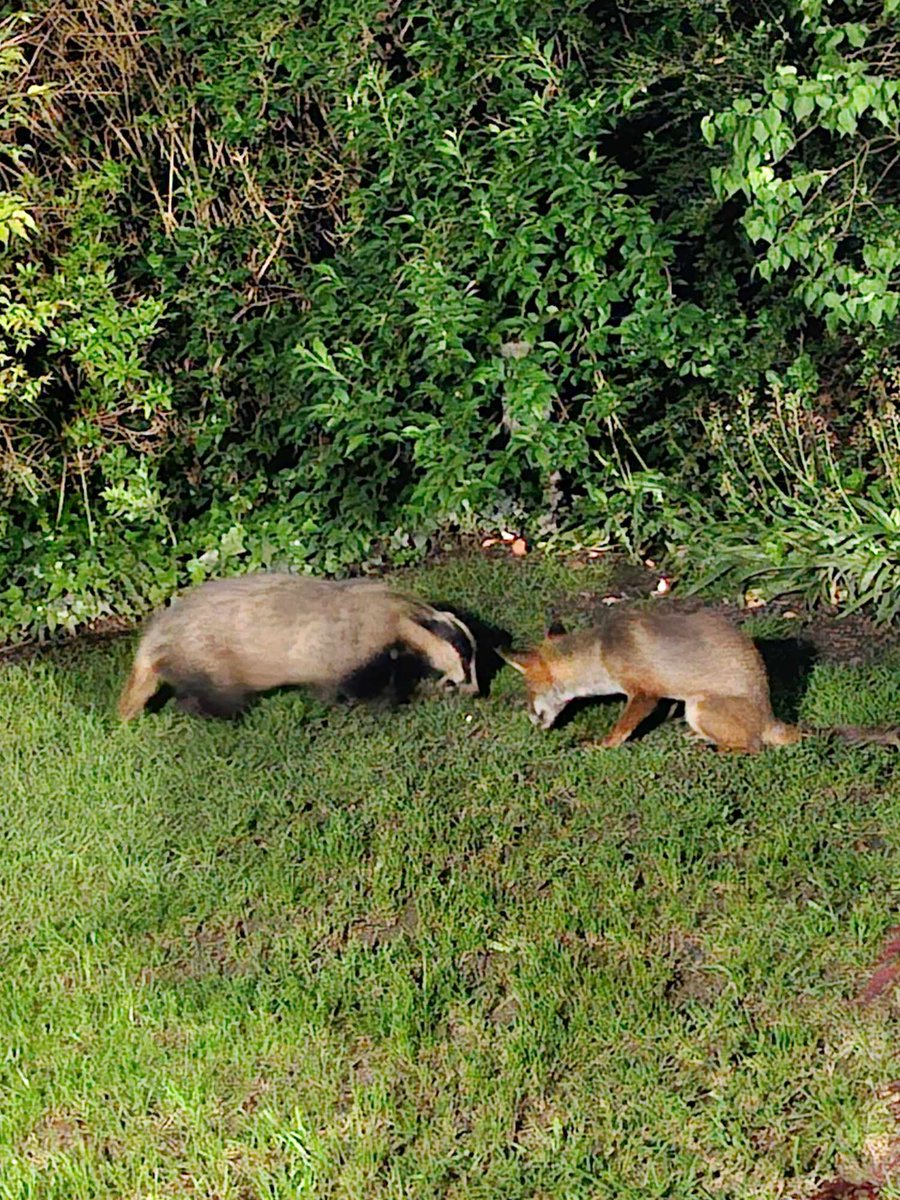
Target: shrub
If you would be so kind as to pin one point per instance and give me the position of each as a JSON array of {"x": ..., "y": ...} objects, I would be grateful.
[{"x": 313, "y": 283}]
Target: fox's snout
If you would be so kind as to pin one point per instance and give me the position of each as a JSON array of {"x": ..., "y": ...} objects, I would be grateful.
[
  {"x": 543, "y": 711},
  {"x": 545, "y": 698}
]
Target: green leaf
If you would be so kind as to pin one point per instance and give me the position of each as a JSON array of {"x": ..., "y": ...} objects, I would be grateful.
[
  {"x": 846, "y": 121},
  {"x": 862, "y": 97},
  {"x": 803, "y": 106},
  {"x": 708, "y": 129}
]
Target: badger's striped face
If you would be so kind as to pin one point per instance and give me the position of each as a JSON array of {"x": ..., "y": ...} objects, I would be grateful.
[{"x": 461, "y": 673}]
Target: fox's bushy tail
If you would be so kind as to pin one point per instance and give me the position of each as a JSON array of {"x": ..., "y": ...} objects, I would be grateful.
[
  {"x": 864, "y": 735},
  {"x": 778, "y": 734}
]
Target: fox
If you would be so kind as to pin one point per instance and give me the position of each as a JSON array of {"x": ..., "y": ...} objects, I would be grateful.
[
  {"x": 229, "y": 638},
  {"x": 699, "y": 658}
]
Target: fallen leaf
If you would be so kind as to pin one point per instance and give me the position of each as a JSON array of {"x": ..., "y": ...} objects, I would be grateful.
[{"x": 887, "y": 968}]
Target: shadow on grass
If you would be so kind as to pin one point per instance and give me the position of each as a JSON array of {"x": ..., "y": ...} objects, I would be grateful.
[{"x": 789, "y": 663}]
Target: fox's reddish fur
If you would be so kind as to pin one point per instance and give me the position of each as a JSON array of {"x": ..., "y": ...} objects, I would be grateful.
[{"x": 699, "y": 658}]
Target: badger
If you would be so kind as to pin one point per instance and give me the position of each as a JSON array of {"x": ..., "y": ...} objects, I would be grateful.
[{"x": 228, "y": 638}]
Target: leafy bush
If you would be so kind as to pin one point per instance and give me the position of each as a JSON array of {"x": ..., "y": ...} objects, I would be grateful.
[{"x": 314, "y": 283}]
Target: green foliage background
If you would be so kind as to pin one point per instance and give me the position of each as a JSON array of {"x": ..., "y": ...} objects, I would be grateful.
[{"x": 309, "y": 283}]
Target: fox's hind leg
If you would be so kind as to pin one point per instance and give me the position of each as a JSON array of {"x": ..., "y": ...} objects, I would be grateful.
[
  {"x": 731, "y": 723},
  {"x": 637, "y": 709}
]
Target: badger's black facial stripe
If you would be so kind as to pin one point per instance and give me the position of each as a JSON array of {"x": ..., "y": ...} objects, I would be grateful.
[
  {"x": 481, "y": 663},
  {"x": 456, "y": 637}
]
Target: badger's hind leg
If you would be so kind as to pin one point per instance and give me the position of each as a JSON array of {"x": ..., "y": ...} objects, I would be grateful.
[
  {"x": 731, "y": 723},
  {"x": 140, "y": 685},
  {"x": 201, "y": 696}
]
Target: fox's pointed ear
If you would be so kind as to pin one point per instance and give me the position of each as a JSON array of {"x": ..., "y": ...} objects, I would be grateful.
[
  {"x": 517, "y": 659},
  {"x": 557, "y": 629}
]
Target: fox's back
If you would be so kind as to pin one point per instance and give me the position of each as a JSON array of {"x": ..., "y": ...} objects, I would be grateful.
[{"x": 677, "y": 655}]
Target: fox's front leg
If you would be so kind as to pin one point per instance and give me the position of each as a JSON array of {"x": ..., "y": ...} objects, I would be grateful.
[{"x": 637, "y": 709}]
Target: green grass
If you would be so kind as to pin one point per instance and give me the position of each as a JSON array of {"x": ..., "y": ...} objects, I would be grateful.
[{"x": 435, "y": 952}]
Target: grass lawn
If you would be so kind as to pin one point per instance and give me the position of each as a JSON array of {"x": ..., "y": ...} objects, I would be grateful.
[{"x": 435, "y": 952}]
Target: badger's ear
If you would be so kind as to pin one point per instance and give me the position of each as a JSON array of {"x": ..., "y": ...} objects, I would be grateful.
[
  {"x": 556, "y": 629},
  {"x": 519, "y": 660}
]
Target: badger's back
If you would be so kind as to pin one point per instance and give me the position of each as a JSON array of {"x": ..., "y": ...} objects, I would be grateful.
[
  {"x": 256, "y": 632},
  {"x": 231, "y": 637}
]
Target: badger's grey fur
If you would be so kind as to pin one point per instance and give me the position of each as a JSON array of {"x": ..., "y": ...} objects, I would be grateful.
[{"x": 231, "y": 637}]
